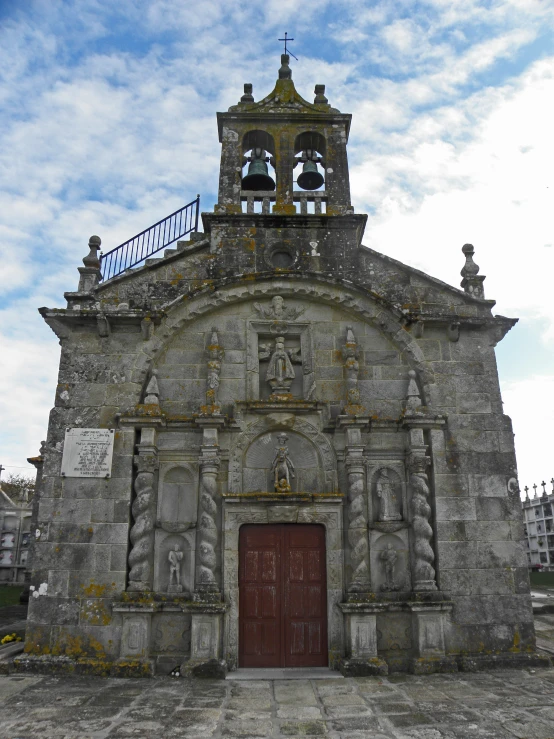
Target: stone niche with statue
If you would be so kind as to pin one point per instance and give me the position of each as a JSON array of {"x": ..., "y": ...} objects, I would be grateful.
[{"x": 308, "y": 457}]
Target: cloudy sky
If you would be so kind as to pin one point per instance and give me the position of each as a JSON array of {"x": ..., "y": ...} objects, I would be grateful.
[{"x": 107, "y": 121}]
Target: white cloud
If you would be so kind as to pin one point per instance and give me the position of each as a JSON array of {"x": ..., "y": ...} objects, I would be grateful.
[
  {"x": 533, "y": 431},
  {"x": 108, "y": 120}
]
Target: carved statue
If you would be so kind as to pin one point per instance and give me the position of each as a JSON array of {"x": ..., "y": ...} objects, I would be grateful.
[
  {"x": 282, "y": 466},
  {"x": 280, "y": 372},
  {"x": 388, "y": 557},
  {"x": 175, "y": 556},
  {"x": 276, "y": 311},
  {"x": 386, "y": 492}
]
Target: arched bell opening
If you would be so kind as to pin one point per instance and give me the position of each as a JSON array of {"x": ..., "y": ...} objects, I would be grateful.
[
  {"x": 309, "y": 149},
  {"x": 258, "y": 162}
]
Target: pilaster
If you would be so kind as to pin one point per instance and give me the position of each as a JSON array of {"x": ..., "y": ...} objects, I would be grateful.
[{"x": 144, "y": 512}]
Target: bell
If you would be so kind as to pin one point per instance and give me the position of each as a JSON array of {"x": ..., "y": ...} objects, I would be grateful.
[
  {"x": 257, "y": 177},
  {"x": 310, "y": 179}
]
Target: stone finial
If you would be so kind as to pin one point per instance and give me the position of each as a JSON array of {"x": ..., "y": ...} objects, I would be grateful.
[
  {"x": 319, "y": 93},
  {"x": 413, "y": 398},
  {"x": 90, "y": 274},
  {"x": 285, "y": 72},
  {"x": 472, "y": 282},
  {"x": 92, "y": 260},
  {"x": 152, "y": 391},
  {"x": 247, "y": 97}
]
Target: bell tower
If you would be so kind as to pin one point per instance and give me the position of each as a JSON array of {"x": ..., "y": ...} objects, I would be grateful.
[
  {"x": 303, "y": 143},
  {"x": 284, "y": 191}
]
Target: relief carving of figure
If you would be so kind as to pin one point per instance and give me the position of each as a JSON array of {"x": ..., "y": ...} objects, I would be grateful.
[
  {"x": 280, "y": 372},
  {"x": 282, "y": 466},
  {"x": 388, "y": 557},
  {"x": 175, "y": 557},
  {"x": 388, "y": 498},
  {"x": 276, "y": 311}
]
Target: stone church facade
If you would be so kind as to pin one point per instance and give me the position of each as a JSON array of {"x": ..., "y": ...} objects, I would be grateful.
[{"x": 311, "y": 465}]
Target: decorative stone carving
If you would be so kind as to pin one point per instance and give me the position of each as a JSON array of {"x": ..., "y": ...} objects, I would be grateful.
[
  {"x": 413, "y": 399},
  {"x": 282, "y": 466},
  {"x": 186, "y": 311},
  {"x": 472, "y": 282},
  {"x": 280, "y": 372},
  {"x": 390, "y": 496},
  {"x": 320, "y": 441},
  {"x": 424, "y": 557},
  {"x": 258, "y": 472},
  {"x": 152, "y": 394},
  {"x": 175, "y": 557},
  {"x": 276, "y": 311},
  {"x": 350, "y": 355},
  {"x": 142, "y": 531},
  {"x": 388, "y": 558},
  {"x": 215, "y": 358},
  {"x": 357, "y": 521},
  {"x": 207, "y": 530}
]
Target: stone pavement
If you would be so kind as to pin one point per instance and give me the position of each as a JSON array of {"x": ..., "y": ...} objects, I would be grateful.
[{"x": 486, "y": 705}]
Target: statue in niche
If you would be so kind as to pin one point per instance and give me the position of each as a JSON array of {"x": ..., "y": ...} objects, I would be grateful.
[
  {"x": 280, "y": 372},
  {"x": 175, "y": 557},
  {"x": 276, "y": 311},
  {"x": 282, "y": 466},
  {"x": 388, "y": 498},
  {"x": 388, "y": 557}
]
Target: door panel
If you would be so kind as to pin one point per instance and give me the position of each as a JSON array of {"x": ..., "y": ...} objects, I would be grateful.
[{"x": 282, "y": 596}]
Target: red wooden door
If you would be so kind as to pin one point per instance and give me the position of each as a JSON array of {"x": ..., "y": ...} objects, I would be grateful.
[{"x": 282, "y": 596}]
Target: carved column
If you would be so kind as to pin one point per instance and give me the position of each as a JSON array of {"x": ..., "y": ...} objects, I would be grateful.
[
  {"x": 207, "y": 587},
  {"x": 207, "y": 527},
  {"x": 357, "y": 512},
  {"x": 424, "y": 556},
  {"x": 144, "y": 514}
]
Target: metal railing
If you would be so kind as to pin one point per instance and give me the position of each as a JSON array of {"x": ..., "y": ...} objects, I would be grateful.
[{"x": 151, "y": 240}]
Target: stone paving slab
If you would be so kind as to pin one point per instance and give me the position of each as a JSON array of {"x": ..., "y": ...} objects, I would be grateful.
[{"x": 500, "y": 704}]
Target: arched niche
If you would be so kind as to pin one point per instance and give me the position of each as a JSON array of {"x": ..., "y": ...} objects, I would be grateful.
[
  {"x": 306, "y": 437},
  {"x": 309, "y": 145},
  {"x": 387, "y": 495},
  {"x": 177, "y": 498},
  {"x": 257, "y": 474}
]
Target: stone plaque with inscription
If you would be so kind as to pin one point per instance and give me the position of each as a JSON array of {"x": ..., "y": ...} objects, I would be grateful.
[{"x": 87, "y": 453}]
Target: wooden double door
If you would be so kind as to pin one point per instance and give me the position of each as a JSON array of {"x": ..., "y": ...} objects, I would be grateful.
[{"x": 282, "y": 596}]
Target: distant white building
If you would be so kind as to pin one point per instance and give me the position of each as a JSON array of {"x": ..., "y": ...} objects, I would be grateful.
[
  {"x": 15, "y": 528},
  {"x": 539, "y": 527}
]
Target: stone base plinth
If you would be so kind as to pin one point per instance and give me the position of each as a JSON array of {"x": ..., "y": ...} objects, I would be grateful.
[
  {"x": 430, "y": 665},
  {"x": 363, "y": 667},
  {"x": 49, "y": 665},
  {"x": 211, "y": 669},
  {"x": 477, "y": 662}
]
